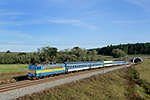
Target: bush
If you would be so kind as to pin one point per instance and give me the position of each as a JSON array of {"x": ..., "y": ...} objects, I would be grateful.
[{"x": 117, "y": 53}]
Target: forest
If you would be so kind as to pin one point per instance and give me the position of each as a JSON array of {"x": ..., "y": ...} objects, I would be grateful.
[
  {"x": 51, "y": 54},
  {"x": 137, "y": 48}
]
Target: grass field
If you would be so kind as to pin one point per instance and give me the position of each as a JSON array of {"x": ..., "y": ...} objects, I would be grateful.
[
  {"x": 12, "y": 67},
  {"x": 10, "y": 72},
  {"x": 139, "y": 55},
  {"x": 131, "y": 83}
]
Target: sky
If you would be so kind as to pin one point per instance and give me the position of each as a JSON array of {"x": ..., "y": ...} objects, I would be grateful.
[{"x": 26, "y": 25}]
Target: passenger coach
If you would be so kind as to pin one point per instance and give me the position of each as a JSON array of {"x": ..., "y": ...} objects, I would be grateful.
[{"x": 39, "y": 70}]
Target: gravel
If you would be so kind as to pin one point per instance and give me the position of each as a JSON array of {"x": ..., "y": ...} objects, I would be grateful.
[{"x": 36, "y": 88}]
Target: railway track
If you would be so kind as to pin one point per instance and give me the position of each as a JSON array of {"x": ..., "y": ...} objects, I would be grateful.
[{"x": 26, "y": 83}]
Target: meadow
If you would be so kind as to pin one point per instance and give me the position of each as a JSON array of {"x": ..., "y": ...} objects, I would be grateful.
[
  {"x": 12, "y": 67},
  {"x": 12, "y": 72},
  {"x": 139, "y": 55}
]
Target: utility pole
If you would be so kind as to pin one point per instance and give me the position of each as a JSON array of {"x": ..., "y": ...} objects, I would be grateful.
[
  {"x": 110, "y": 58},
  {"x": 80, "y": 57},
  {"x": 125, "y": 61},
  {"x": 125, "y": 55},
  {"x": 103, "y": 63}
]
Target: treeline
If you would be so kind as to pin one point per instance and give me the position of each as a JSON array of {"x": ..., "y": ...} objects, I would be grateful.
[
  {"x": 138, "y": 48},
  {"x": 50, "y": 54},
  {"x": 10, "y": 58}
]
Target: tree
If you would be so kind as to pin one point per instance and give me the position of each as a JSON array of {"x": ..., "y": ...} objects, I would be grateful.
[
  {"x": 117, "y": 53},
  {"x": 47, "y": 53},
  {"x": 8, "y": 51},
  {"x": 94, "y": 55},
  {"x": 22, "y": 53},
  {"x": 79, "y": 53}
]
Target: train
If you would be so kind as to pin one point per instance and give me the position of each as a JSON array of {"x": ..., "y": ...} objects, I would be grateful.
[{"x": 37, "y": 71}]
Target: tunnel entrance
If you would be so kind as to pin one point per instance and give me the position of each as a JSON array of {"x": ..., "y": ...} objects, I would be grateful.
[{"x": 137, "y": 59}]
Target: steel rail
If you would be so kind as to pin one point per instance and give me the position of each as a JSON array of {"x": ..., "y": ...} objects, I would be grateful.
[{"x": 21, "y": 84}]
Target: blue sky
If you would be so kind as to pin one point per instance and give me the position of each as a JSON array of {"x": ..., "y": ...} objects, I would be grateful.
[{"x": 26, "y": 25}]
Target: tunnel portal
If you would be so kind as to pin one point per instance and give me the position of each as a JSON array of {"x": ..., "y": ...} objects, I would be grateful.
[{"x": 137, "y": 59}]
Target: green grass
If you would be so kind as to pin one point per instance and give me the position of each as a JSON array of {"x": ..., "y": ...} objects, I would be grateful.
[
  {"x": 12, "y": 67},
  {"x": 139, "y": 55}
]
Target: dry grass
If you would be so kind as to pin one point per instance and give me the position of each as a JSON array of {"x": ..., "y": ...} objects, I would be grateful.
[
  {"x": 144, "y": 70},
  {"x": 12, "y": 72},
  {"x": 112, "y": 85},
  {"x": 12, "y": 76}
]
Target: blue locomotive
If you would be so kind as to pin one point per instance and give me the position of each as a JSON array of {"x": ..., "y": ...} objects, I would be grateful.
[{"x": 39, "y": 70}]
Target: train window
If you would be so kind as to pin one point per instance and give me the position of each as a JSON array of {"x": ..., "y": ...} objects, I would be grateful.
[{"x": 38, "y": 67}]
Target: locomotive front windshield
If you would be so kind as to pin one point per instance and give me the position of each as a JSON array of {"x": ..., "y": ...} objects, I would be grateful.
[{"x": 32, "y": 67}]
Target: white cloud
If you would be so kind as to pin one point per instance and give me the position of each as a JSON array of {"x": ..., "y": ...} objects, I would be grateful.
[
  {"x": 14, "y": 33},
  {"x": 141, "y": 3},
  {"x": 47, "y": 38},
  {"x": 130, "y": 21},
  {"x": 22, "y": 35},
  {"x": 73, "y": 22},
  {"x": 14, "y": 42},
  {"x": 12, "y": 13},
  {"x": 49, "y": 20},
  {"x": 66, "y": 21}
]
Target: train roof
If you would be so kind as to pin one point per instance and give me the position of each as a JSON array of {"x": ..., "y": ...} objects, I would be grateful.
[{"x": 84, "y": 62}]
